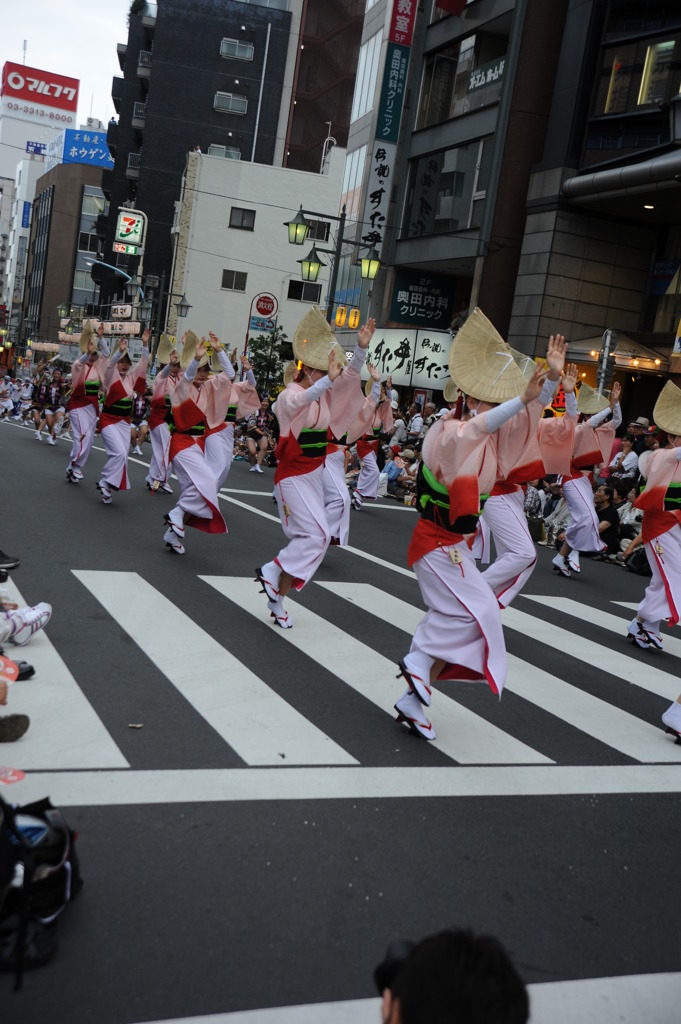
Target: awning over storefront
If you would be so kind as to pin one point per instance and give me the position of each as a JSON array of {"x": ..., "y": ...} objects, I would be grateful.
[
  {"x": 631, "y": 179},
  {"x": 629, "y": 354}
]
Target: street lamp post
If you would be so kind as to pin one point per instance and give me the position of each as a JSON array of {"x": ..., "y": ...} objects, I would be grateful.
[{"x": 298, "y": 228}]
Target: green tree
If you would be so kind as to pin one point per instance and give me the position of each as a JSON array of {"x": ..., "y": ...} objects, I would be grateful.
[{"x": 269, "y": 354}]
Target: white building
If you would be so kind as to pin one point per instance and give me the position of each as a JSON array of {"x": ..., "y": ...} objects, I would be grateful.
[{"x": 231, "y": 243}]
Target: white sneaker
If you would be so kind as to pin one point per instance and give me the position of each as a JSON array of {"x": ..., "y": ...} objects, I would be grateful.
[
  {"x": 415, "y": 668},
  {"x": 28, "y": 621},
  {"x": 173, "y": 541},
  {"x": 672, "y": 718},
  {"x": 57, "y": 430},
  {"x": 410, "y": 710},
  {"x": 51, "y": 440},
  {"x": 38, "y": 435},
  {"x": 137, "y": 450},
  {"x": 279, "y": 614},
  {"x": 253, "y": 469}
]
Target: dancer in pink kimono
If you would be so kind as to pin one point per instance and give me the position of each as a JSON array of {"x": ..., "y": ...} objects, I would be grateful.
[
  {"x": 367, "y": 445},
  {"x": 119, "y": 381},
  {"x": 241, "y": 401},
  {"x": 336, "y": 494},
  {"x": 87, "y": 379},
  {"x": 461, "y": 636},
  {"x": 307, "y": 408},
  {"x": 198, "y": 403},
  {"x": 528, "y": 447},
  {"x": 593, "y": 444},
  {"x": 160, "y": 416}
]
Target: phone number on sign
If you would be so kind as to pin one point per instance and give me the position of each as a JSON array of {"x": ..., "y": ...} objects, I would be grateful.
[{"x": 51, "y": 116}]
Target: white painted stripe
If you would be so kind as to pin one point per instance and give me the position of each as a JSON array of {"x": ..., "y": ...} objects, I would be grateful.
[
  {"x": 577, "y": 648},
  {"x": 461, "y": 734},
  {"x": 259, "y": 724},
  {"x": 65, "y": 730},
  {"x": 631, "y": 999},
  {"x": 237, "y": 785},
  {"x": 605, "y": 722},
  {"x": 614, "y": 623}
]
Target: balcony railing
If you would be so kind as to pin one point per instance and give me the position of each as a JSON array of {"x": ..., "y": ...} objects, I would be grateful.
[
  {"x": 144, "y": 63},
  {"x": 133, "y": 168},
  {"x": 139, "y": 115}
]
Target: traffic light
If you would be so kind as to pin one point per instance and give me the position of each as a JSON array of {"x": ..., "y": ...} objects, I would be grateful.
[{"x": 606, "y": 360}]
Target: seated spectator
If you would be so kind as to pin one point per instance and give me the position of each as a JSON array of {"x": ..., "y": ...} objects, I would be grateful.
[
  {"x": 533, "y": 503},
  {"x": 454, "y": 976},
  {"x": 394, "y": 472},
  {"x": 608, "y": 520},
  {"x": 637, "y": 430},
  {"x": 630, "y": 518},
  {"x": 624, "y": 464},
  {"x": 429, "y": 416},
  {"x": 557, "y": 521},
  {"x": 411, "y": 460},
  {"x": 415, "y": 423},
  {"x": 553, "y": 496},
  {"x": 399, "y": 434}
]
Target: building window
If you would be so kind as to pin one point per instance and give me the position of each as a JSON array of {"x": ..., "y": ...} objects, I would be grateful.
[
  {"x": 635, "y": 75},
  {"x": 93, "y": 205},
  {"x": 243, "y": 219},
  {"x": 304, "y": 291},
  {"x": 234, "y": 280},
  {"x": 447, "y": 190},
  {"x": 228, "y": 152},
  {"x": 230, "y": 102},
  {"x": 351, "y": 192},
  {"x": 83, "y": 279},
  {"x": 462, "y": 76},
  {"x": 88, "y": 242},
  {"x": 365, "y": 81},
  {"x": 319, "y": 231},
  {"x": 235, "y": 48}
]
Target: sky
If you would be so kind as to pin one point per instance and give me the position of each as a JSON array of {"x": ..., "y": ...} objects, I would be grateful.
[{"x": 70, "y": 37}]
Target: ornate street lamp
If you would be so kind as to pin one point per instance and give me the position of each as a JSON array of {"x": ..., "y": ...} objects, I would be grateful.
[
  {"x": 311, "y": 265},
  {"x": 62, "y": 310},
  {"x": 298, "y": 228},
  {"x": 132, "y": 287},
  {"x": 371, "y": 264},
  {"x": 182, "y": 306}
]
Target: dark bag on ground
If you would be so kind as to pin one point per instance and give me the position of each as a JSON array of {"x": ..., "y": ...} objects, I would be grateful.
[
  {"x": 638, "y": 562},
  {"x": 39, "y": 875}
]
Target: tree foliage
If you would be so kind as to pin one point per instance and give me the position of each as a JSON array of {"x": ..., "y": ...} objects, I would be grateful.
[{"x": 269, "y": 354}]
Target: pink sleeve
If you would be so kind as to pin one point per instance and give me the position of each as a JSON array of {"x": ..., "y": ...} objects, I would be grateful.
[
  {"x": 556, "y": 442},
  {"x": 245, "y": 396}
]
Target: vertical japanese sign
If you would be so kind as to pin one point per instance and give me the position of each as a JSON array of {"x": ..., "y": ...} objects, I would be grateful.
[
  {"x": 26, "y": 215},
  {"x": 382, "y": 166}
]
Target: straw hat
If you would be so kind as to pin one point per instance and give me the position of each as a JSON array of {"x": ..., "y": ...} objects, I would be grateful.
[
  {"x": 526, "y": 364},
  {"x": 408, "y": 453},
  {"x": 189, "y": 351},
  {"x": 451, "y": 392},
  {"x": 215, "y": 364},
  {"x": 589, "y": 401},
  {"x": 87, "y": 333},
  {"x": 481, "y": 364},
  {"x": 165, "y": 347},
  {"x": 313, "y": 340},
  {"x": 116, "y": 346},
  {"x": 368, "y": 387},
  {"x": 290, "y": 371},
  {"x": 667, "y": 411}
]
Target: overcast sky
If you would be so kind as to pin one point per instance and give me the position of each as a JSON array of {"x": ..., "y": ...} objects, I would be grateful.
[{"x": 70, "y": 37}]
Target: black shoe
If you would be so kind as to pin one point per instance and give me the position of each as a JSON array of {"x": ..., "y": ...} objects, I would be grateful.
[
  {"x": 8, "y": 561},
  {"x": 13, "y": 727}
]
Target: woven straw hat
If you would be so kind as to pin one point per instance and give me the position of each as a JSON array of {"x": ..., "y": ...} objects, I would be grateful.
[
  {"x": 667, "y": 411},
  {"x": 313, "y": 340},
  {"x": 369, "y": 386},
  {"x": 590, "y": 402},
  {"x": 215, "y": 364},
  {"x": 290, "y": 371},
  {"x": 86, "y": 333},
  {"x": 451, "y": 392},
  {"x": 526, "y": 364},
  {"x": 165, "y": 347},
  {"x": 189, "y": 351},
  {"x": 481, "y": 364},
  {"x": 116, "y": 346}
]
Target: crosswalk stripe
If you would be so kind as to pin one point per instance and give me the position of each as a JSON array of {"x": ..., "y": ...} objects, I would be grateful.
[
  {"x": 65, "y": 730},
  {"x": 605, "y": 722},
  {"x": 578, "y": 648},
  {"x": 615, "y": 623},
  {"x": 255, "y": 721},
  {"x": 461, "y": 734}
]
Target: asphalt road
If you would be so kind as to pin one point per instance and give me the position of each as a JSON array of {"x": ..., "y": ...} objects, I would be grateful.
[{"x": 232, "y": 865}]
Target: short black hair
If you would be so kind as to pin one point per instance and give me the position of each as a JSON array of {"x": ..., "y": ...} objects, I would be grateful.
[
  {"x": 458, "y": 976},
  {"x": 608, "y": 491}
]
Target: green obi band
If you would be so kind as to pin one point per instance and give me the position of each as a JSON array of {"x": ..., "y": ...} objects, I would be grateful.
[
  {"x": 376, "y": 432},
  {"x": 231, "y": 414},
  {"x": 196, "y": 431},
  {"x": 672, "y": 498},
  {"x": 92, "y": 387},
  {"x": 313, "y": 443},
  {"x": 121, "y": 408},
  {"x": 433, "y": 502}
]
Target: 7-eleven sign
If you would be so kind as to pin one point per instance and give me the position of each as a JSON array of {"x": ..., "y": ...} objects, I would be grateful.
[{"x": 130, "y": 227}]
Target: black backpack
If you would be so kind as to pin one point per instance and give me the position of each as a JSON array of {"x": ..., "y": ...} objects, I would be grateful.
[
  {"x": 39, "y": 875},
  {"x": 638, "y": 562}
]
